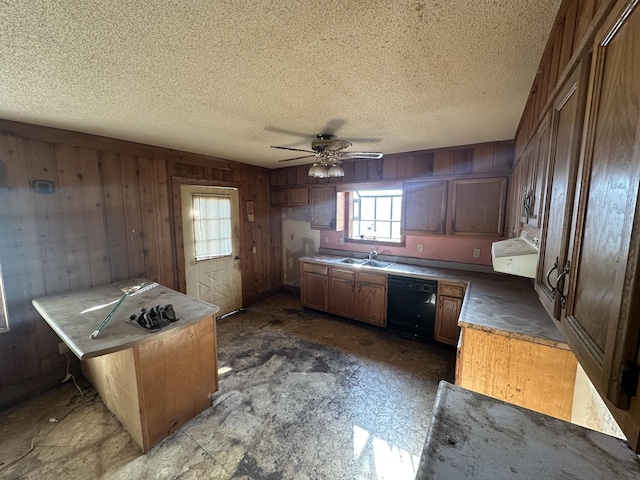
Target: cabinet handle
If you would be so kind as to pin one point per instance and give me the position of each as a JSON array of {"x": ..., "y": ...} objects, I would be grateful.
[
  {"x": 442, "y": 227},
  {"x": 453, "y": 226},
  {"x": 565, "y": 271},
  {"x": 553, "y": 289}
]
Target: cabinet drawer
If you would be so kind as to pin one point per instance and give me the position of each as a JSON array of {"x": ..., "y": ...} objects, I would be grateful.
[
  {"x": 342, "y": 273},
  {"x": 374, "y": 278},
  {"x": 450, "y": 289},
  {"x": 310, "y": 267}
]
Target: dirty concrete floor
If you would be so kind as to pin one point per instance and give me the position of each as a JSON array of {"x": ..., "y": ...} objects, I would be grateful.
[{"x": 302, "y": 396}]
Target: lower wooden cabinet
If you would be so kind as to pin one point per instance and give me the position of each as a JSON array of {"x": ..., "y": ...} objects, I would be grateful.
[
  {"x": 315, "y": 286},
  {"x": 531, "y": 375},
  {"x": 448, "y": 305},
  {"x": 371, "y": 298},
  {"x": 352, "y": 294},
  {"x": 342, "y": 292}
]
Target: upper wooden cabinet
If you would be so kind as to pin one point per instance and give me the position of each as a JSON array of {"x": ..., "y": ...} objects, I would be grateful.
[
  {"x": 425, "y": 207},
  {"x": 323, "y": 207},
  {"x": 601, "y": 318},
  {"x": 566, "y": 127},
  {"x": 478, "y": 206},
  {"x": 290, "y": 197}
]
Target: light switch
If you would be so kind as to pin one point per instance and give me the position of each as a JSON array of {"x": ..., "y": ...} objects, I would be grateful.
[
  {"x": 254, "y": 249},
  {"x": 476, "y": 252},
  {"x": 326, "y": 239}
]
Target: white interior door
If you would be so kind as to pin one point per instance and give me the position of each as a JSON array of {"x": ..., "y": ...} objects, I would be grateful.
[{"x": 211, "y": 229}]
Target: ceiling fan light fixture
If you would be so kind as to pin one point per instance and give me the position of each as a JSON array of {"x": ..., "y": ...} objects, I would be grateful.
[
  {"x": 318, "y": 171},
  {"x": 335, "y": 170}
]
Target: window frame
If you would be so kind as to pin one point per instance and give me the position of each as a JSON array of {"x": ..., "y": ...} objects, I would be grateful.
[
  {"x": 196, "y": 222},
  {"x": 347, "y": 190}
]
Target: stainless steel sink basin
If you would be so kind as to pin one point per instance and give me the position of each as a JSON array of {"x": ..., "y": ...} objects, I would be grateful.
[
  {"x": 376, "y": 263},
  {"x": 353, "y": 261}
]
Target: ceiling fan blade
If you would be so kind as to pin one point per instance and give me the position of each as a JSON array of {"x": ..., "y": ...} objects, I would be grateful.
[
  {"x": 294, "y": 149},
  {"x": 296, "y": 158},
  {"x": 369, "y": 155}
]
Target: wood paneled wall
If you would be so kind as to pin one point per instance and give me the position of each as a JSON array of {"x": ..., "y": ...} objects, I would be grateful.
[
  {"x": 109, "y": 218},
  {"x": 469, "y": 160}
]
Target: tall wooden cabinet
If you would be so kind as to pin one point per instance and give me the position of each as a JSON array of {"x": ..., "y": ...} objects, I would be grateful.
[
  {"x": 601, "y": 318},
  {"x": 566, "y": 126}
]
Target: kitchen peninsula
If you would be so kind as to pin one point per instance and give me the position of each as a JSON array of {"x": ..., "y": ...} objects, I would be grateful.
[{"x": 138, "y": 372}]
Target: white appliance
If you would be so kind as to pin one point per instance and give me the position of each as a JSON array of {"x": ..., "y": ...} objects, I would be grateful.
[{"x": 517, "y": 256}]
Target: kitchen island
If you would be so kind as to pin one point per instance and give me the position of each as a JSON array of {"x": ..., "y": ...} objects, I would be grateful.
[{"x": 153, "y": 382}]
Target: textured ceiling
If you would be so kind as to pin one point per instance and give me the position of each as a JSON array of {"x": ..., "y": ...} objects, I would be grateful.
[{"x": 230, "y": 78}]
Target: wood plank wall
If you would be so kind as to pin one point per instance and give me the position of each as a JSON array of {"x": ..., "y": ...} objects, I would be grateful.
[
  {"x": 483, "y": 159},
  {"x": 110, "y": 218},
  {"x": 569, "y": 42}
]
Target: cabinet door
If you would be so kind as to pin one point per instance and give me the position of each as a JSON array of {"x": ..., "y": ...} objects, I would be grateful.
[
  {"x": 279, "y": 197},
  {"x": 566, "y": 128},
  {"x": 478, "y": 206},
  {"x": 299, "y": 196},
  {"x": 447, "y": 313},
  {"x": 601, "y": 321},
  {"x": 315, "y": 288},
  {"x": 323, "y": 207},
  {"x": 342, "y": 297},
  {"x": 371, "y": 303},
  {"x": 538, "y": 174},
  {"x": 425, "y": 207}
]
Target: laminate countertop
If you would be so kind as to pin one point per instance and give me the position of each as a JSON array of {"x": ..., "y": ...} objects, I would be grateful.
[
  {"x": 75, "y": 315},
  {"x": 475, "y": 436},
  {"x": 496, "y": 303}
]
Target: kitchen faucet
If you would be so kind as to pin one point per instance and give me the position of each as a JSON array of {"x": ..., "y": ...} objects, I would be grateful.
[{"x": 373, "y": 254}]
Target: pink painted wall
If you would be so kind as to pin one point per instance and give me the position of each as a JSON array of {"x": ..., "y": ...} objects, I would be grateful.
[{"x": 443, "y": 248}]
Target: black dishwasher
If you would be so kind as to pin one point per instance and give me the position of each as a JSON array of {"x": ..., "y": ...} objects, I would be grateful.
[{"x": 411, "y": 306}]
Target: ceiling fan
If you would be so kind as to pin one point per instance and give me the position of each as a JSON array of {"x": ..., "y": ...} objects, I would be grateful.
[{"x": 328, "y": 153}]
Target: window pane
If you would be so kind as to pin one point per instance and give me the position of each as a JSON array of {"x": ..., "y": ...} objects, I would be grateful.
[
  {"x": 212, "y": 226},
  {"x": 395, "y": 230},
  {"x": 396, "y": 208},
  {"x": 383, "y": 230},
  {"x": 383, "y": 208},
  {"x": 368, "y": 208}
]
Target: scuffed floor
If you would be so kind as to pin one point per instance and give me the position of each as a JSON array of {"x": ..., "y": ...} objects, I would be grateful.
[{"x": 302, "y": 396}]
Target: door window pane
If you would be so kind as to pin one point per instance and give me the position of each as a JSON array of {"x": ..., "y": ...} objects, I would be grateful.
[{"x": 212, "y": 226}]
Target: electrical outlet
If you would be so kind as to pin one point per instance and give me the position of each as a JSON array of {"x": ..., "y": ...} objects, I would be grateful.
[
  {"x": 476, "y": 252},
  {"x": 326, "y": 239},
  {"x": 254, "y": 249},
  {"x": 420, "y": 248},
  {"x": 342, "y": 241},
  {"x": 62, "y": 348}
]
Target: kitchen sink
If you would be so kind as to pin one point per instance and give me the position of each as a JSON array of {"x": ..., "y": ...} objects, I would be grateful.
[
  {"x": 376, "y": 263},
  {"x": 365, "y": 262},
  {"x": 353, "y": 261}
]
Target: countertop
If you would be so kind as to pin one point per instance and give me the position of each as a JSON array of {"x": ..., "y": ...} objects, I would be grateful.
[
  {"x": 496, "y": 303},
  {"x": 75, "y": 315},
  {"x": 475, "y": 436}
]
